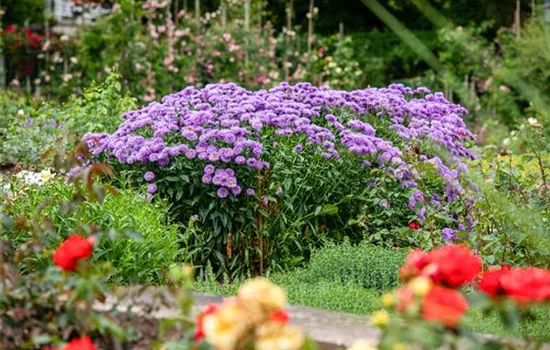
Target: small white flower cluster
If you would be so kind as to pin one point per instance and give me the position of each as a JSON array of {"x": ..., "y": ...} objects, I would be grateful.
[{"x": 34, "y": 178}]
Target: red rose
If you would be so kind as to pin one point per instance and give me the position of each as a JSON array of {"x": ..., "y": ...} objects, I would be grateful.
[
  {"x": 208, "y": 310},
  {"x": 8, "y": 29},
  {"x": 84, "y": 343},
  {"x": 416, "y": 261},
  {"x": 73, "y": 249},
  {"x": 280, "y": 316},
  {"x": 414, "y": 225},
  {"x": 527, "y": 285},
  {"x": 454, "y": 265},
  {"x": 444, "y": 305},
  {"x": 490, "y": 283}
]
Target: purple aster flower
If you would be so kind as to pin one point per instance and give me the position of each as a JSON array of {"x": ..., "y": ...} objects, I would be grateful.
[
  {"x": 422, "y": 214},
  {"x": 279, "y": 191},
  {"x": 151, "y": 188},
  {"x": 236, "y": 190},
  {"x": 249, "y": 192},
  {"x": 149, "y": 197},
  {"x": 230, "y": 172},
  {"x": 209, "y": 169},
  {"x": 190, "y": 154},
  {"x": 195, "y": 217},
  {"x": 240, "y": 160},
  {"x": 384, "y": 204},
  {"x": 448, "y": 234},
  {"x": 231, "y": 182},
  {"x": 206, "y": 178},
  {"x": 149, "y": 176},
  {"x": 265, "y": 201},
  {"x": 252, "y": 162},
  {"x": 222, "y": 192},
  {"x": 298, "y": 149},
  {"x": 217, "y": 180}
]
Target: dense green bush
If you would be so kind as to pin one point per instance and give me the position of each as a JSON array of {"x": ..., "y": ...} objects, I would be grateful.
[
  {"x": 365, "y": 265},
  {"x": 25, "y": 137},
  {"x": 140, "y": 260}
]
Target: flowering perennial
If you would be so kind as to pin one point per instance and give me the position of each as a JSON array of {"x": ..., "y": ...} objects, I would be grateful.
[{"x": 222, "y": 126}]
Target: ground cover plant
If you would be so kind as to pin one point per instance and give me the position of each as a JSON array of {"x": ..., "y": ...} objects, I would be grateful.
[{"x": 259, "y": 176}]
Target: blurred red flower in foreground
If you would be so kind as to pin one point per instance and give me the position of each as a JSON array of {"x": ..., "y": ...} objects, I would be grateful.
[
  {"x": 208, "y": 310},
  {"x": 73, "y": 249},
  {"x": 451, "y": 265},
  {"x": 444, "y": 305},
  {"x": 84, "y": 343},
  {"x": 455, "y": 265},
  {"x": 524, "y": 285},
  {"x": 414, "y": 225},
  {"x": 280, "y": 316}
]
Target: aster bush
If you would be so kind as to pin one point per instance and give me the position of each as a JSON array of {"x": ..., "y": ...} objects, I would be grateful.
[{"x": 260, "y": 177}]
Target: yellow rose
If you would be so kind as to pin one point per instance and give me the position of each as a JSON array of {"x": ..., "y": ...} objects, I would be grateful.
[
  {"x": 380, "y": 318},
  {"x": 226, "y": 326},
  {"x": 388, "y": 299},
  {"x": 260, "y": 297},
  {"x": 277, "y": 336},
  {"x": 420, "y": 285}
]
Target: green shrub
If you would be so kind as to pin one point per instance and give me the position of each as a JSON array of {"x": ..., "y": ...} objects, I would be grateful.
[
  {"x": 364, "y": 265},
  {"x": 24, "y": 139},
  {"x": 140, "y": 260}
]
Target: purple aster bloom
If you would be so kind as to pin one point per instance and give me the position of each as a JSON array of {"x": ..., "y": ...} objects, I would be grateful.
[
  {"x": 240, "y": 160},
  {"x": 298, "y": 149},
  {"x": 195, "y": 217},
  {"x": 249, "y": 192},
  {"x": 265, "y": 201},
  {"x": 448, "y": 234},
  {"x": 251, "y": 162},
  {"x": 209, "y": 169},
  {"x": 279, "y": 191},
  {"x": 231, "y": 182},
  {"x": 422, "y": 214},
  {"x": 149, "y": 197},
  {"x": 217, "y": 180},
  {"x": 206, "y": 178},
  {"x": 190, "y": 154},
  {"x": 230, "y": 172},
  {"x": 384, "y": 204},
  {"x": 151, "y": 188},
  {"x": 236, "y": 190},
  {"x": 222, "y": 192}
]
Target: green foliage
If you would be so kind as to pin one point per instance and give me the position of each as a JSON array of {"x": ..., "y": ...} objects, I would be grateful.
[
  {"x": 514, "y": 211},
  {"x": 24, "y": 139},
  {"x": 364, "y": 265},
  {"x": 140, "y": 260}
]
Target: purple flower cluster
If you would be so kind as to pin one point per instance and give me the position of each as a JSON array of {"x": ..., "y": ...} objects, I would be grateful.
[{"x": 222, "y": 125}]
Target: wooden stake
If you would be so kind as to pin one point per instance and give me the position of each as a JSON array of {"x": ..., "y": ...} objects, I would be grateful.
[
  {"x": 310, "y": 26},
  {"x": 198, "y": 14},
  {"x": 341, "y": 31},
  {"x": 247, "y": 15},
  {"x": 518, "y": 18}
]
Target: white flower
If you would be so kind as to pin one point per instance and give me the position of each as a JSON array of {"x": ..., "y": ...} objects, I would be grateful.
[{"x": 20, "y": 113}]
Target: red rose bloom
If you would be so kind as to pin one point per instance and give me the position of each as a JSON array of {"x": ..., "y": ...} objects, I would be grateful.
[
  {"x": 414, "y": 225},
  {"x": 454, "y": 266},
  {"x": 208, "y": 310},
  {"x": 444, "y": 305},
  {"x": 490, "y": 283},
  {"x": 416, "y": 261},
  {"x": 84, "y": 343},
  {"x": 527, "y": 285},
  {"x": 73, "y": 249},
  {"x": 280, "y": 316}
]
